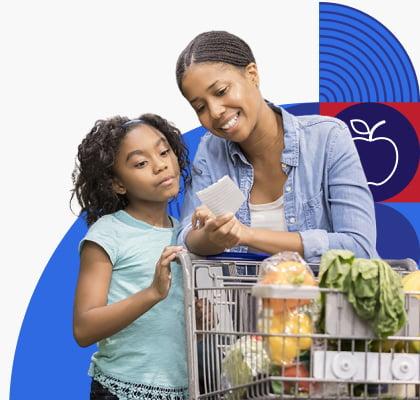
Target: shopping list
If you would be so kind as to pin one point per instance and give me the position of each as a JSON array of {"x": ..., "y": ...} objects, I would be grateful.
[{"x": 222, "y": 196}]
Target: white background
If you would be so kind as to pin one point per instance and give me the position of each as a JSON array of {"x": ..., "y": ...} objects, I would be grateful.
[{"x": 66, "y": 64}]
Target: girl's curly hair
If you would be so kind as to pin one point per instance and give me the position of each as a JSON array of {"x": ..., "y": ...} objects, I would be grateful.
[{"x": 93, "y": 173}]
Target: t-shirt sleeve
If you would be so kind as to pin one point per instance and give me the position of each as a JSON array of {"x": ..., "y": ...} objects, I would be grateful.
[{"x": 104, "y": 235}]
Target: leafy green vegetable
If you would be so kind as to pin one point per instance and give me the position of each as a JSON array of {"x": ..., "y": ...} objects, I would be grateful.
[
  {"x": 245, "y": 359},
  {"x": 372, "y": 287}
]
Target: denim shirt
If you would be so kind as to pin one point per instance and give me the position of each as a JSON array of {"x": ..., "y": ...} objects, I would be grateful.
[{"x": 326, "y": 195}]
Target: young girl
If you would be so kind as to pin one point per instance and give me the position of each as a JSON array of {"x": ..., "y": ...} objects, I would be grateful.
[
  {"x": 302, "y": 176},
  {"x": 129, "y": 297}
]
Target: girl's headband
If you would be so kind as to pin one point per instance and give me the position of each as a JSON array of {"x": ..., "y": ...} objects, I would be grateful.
[{"x": 133, "y": 122}]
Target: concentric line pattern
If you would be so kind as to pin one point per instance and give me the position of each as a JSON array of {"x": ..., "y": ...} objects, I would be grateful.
[{"x": 360, "y": 60}]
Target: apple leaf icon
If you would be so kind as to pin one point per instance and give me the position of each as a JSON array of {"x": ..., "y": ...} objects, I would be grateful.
[{"x": 362, "y": 128}]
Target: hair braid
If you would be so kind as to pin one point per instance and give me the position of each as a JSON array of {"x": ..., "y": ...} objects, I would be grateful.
[{"x": 214, "y": 46}]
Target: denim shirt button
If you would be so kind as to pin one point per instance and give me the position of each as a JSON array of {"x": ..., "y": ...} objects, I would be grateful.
[
  {"x": 292, "y": 220},
  {"x": 288, "y": 189}
]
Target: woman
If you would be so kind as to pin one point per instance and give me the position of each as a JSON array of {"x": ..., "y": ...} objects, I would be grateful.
[{"x": 305, "y": 187}]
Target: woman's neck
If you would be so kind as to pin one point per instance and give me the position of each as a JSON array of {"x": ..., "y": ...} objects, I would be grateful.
[
  {"x": 152, "y": 213},
  {"x": 267, "y": 138}
]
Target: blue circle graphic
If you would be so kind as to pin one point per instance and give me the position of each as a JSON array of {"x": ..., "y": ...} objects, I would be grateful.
[
  {"x": 360, "y": 60},
  {"x": 397, "y": 238}
]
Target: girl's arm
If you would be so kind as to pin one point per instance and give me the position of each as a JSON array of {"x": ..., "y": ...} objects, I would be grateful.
[{"x": 93, "y": 318}]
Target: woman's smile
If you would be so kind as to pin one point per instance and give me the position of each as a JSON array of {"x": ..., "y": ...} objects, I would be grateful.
[
  {"x": 230, "y": 124},
  {"x": 225, "y": 98}
]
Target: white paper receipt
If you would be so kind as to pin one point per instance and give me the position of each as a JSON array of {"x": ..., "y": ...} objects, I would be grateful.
[{"x": 222, "y": 196}]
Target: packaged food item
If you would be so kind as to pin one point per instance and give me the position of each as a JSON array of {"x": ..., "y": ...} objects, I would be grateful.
[
  {"x": 286, "y": 287},
  {"x": 286, "y": 269}
]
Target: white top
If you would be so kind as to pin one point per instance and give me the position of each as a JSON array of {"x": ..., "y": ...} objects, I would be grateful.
[{"x": 269, "y": 215}]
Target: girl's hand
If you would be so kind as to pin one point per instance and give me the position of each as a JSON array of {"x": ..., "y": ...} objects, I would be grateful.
[
  {"x": 225, "y": 231},
  {"x": 162, "y": 279},
  {"x": 201, "y": 215}
]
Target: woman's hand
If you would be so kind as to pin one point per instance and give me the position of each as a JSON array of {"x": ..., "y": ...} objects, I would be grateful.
[
  {"x": 162, "y": 279},
  {"x": 200, "y": 216},
  {"x": 212, "y": 235},
  {"x": 225, "y": 231}
]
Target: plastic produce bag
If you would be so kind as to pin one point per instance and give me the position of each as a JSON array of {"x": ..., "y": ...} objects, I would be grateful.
[
  {"x": 283, "y": 350},
  {"x": 244, "y": 360},
  {"x": 286, "y": 269}
]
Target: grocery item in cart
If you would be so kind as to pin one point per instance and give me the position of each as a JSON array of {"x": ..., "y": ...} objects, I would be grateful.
[
  {"x": 243, "y": 361},
  {"x": 296, "y": 370},
  {"x": 372, "y": 287},
  {"x": 286, "y": 269},
  {"x": 283, "y": 350},
  {"x": 411, "y": 283}
]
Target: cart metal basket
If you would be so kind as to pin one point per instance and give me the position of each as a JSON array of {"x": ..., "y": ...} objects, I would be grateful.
[{"x": 233, "y": 352}]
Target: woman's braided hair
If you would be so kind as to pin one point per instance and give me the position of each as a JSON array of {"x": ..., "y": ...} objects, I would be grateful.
[
  {"x": 214, "y": 46},
  {"x": 93, "y": 174}
]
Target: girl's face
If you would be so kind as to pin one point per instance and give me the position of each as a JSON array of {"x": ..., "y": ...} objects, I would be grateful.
[
  {"x": 146, "y": 168},
  {"x": 226, "y": 98}
]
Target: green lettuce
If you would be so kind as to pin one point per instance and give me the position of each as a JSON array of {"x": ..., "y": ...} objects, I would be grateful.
[{"x": 372, "y": 287}]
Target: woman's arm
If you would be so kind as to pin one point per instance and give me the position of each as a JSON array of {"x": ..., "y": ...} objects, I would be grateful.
[
  {"x": 93, "y": 318},
  {"x": 271, "y": 242},
  {"x": 351, "y": 202},
  {"x": 221, "y": 233}
]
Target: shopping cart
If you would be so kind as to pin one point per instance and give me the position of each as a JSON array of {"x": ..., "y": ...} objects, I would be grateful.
[{"x": 230, "y": 342}]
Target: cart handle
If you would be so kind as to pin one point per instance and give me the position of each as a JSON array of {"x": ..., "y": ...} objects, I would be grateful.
[
  {"x": 239, "y": 256},
  {"x": 406, "y": 263}
]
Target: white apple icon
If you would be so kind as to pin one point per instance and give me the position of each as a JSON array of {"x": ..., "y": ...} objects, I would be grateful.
[{"x": 369, "y": 133}]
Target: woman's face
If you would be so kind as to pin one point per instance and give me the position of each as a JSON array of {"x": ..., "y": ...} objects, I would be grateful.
[{"x": 226, "y": 98}]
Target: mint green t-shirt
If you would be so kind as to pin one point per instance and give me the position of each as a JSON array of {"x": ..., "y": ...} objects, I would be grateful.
[{"x": 151, "y": 351}]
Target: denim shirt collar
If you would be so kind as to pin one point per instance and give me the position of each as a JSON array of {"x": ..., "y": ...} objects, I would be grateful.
[{"x": 290, "y": 155}]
